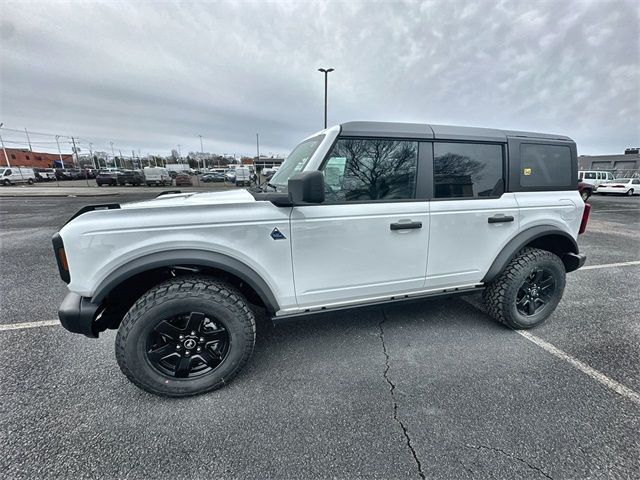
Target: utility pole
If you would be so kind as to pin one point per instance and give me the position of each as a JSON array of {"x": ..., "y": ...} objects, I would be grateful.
[
  {"x": 59, "y": 151},
  {"x": 179, "y": 154},
  {"x": 28, "y": 140},
  {"x": 6, "y": 157},
  {"x": 202, "y": 151},
  {"x": 122, "y": 164},
  {"x": 326, "y": 72},
  {"x": 257, "y": 147}
]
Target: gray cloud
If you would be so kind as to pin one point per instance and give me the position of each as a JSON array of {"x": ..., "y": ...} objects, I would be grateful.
[{"x": 153, "y": 75}]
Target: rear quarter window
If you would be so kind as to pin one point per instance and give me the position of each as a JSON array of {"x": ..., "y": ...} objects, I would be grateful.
[{"x": 545, "y": 165}]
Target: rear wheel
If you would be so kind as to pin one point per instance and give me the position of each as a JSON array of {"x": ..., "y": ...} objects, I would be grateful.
[
  {"x": 188, "y": 335},
  {"x": 527, "y": 292},
  {"x": 630, "y": 192}
]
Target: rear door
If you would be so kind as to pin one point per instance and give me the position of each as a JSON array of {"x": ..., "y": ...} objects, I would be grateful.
[
  {"x": 472, "y": 218},
  {"x": 369, "y": 239}
]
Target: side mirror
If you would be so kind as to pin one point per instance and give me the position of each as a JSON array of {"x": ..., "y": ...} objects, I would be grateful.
[{"x": 306, "y": 187}]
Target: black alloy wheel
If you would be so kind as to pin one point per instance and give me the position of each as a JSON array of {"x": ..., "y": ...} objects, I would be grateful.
[
  {"x": 187, "y": 345},
  {"x": 536, "y": 292}
]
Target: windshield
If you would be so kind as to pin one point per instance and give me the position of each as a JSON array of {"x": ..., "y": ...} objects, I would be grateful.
[{"x": 295, "y": 162}]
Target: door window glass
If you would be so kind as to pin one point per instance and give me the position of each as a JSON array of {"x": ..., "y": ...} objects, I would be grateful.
[
  {"x": 371, "y": 169},
  {"x": 590, "y": 175},
  {"x": 467, "y": 170},
  {"x": 545, "y": 165}
]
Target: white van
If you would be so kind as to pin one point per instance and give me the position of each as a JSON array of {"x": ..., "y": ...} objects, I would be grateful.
[
  {"x": 595, "y": 177},
  {"x": 156, "y": 176},
  {"x": 243, "y": 176},
  {"x": 13, "y": 175}
]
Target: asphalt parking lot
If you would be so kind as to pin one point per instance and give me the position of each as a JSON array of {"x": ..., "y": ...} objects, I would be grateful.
[{"x": 432, "y": 389}]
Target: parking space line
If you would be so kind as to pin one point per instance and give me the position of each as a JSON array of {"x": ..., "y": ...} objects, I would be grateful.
[
  {"x": 584, "y": 368},
  {"x": 20, "y": 326},
  {"x": 611, "y": 265}
]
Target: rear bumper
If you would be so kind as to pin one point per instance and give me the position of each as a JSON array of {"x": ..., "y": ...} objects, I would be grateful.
[
  {"x": 573, "y": 261},
  {"x": 77, "y": 314}
]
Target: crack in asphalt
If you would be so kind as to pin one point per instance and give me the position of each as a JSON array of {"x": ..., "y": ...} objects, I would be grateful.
[
  {"x": 510, "y": 455},
  {"x": 392, "y": 388}
]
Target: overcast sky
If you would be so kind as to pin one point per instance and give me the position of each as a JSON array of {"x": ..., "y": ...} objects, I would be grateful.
[{"x": 153, "y": 75}]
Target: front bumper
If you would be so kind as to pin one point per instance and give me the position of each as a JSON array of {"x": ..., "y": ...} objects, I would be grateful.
[
  {"x": 573, "y": 261},
  {"x": 77, "y": 315}
]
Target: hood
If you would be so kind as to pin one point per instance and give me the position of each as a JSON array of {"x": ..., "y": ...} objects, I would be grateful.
[{"x": 194, "y": 198}]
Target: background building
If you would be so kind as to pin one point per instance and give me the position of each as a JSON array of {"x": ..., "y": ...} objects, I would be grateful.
[
  {"x": 625, "y": 165},
  {"x": 22, "y": 157}
]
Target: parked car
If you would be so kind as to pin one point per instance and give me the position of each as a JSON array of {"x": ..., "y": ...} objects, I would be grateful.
[
  {"x": 130, "y": 177},
  {"x": 107, "y": 177},
  {"x": 156, "y": 176},
  {"x": 586, "y": 190},
  {"x": 197, "y": 262},
  {"x": 182, "y": 179},
  {"x": 621, "y": 186},
  {"x": 44, "y": 174},
  {"x": 230, "y": 176},
  {"x": 242, "y": 176},
  {"x": 594, "y": 177},
  {"x": 213, "y": 177},
  {"x": 13, "y": 175}
]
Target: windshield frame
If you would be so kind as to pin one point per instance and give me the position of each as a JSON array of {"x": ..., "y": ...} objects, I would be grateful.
[{"x": 280, "y": 179}]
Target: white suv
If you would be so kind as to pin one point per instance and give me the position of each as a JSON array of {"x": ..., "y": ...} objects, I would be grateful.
[{"x": 361, "y": 213}]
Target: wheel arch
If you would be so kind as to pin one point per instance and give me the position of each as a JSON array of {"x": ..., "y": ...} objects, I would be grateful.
[
  {"x": 146, "y": 271},
  {"x": 544, "y": 237}
]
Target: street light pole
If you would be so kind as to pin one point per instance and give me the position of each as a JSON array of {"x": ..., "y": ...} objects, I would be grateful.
[
  {"x": 202, "y": 152},
  {"x": 326, "y": 72},
  {"x": 113, "y": 154},
  {"x": 6, "y": 157},
  {"x": 59, "y": 152}
]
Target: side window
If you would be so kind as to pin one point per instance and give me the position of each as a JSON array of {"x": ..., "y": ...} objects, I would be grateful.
[
  {"x": 7, "y": 172},
  {"x": 371, "y": 169},
  {"x": 609, "y": 176},
  {"x": 590, "y": 175},
  {"x": 636, "y": 181},
  {"x": 467, "y": 170},
  {"x": 601, "y": 176},
  {"x": 545, "y": 165}
]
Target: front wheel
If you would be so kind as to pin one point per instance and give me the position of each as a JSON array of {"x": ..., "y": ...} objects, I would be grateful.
[
  {"x": 6, "y": 182},
  {"x": 186, "y": 336},
  {"x": 630, "y": 192},
  {"x": 529, "y": 289}
]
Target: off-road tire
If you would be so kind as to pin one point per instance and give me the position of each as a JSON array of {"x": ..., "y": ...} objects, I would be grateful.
[
  {"x": 198, "y": 292},
  {"x": 500, "y": 295}
]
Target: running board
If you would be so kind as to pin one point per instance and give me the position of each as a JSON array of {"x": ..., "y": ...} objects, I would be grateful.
[{"x": 387, "y": 301}]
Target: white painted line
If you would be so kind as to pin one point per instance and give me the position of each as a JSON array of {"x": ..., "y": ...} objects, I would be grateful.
[
  {"x": 20, "y": 326},
  {"x": 584, "y": 368},
  {"x": 616, "y": 210},
  {"x": 611, "y": 265}
]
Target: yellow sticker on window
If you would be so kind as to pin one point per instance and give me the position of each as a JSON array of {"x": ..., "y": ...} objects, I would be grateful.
[{"x": 527, "y": 171}]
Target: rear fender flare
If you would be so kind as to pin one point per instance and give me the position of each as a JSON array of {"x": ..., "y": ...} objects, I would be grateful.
[{"x": 524, "y": 238}]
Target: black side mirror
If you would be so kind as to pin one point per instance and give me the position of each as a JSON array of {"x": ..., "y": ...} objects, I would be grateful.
[{"x": 306, "y": 187}]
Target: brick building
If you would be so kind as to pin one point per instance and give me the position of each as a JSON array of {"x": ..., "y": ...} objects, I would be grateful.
[{"x": 19, "y": 157}]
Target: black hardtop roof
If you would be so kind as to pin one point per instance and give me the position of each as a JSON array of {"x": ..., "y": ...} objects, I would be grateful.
[{"x": 445, "y": 132}]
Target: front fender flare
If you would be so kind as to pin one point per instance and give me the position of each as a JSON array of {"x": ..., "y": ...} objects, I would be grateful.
[
  {"x": 517, "y": 243},
  {"x": 193, "y": 257}
]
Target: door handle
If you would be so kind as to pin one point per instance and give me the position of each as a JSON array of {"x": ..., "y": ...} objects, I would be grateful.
[
  {"x": 500, "y": 219},
  {"x": 405, "y": 225}
]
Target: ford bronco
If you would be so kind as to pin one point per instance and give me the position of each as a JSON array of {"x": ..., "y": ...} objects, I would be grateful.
[{"x": 359, "y": 214}]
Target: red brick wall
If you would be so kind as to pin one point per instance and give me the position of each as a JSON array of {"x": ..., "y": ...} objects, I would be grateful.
[{"x": 25, "y": 158}]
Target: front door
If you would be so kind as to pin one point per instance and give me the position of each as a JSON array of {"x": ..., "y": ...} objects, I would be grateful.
[{"x": 369, "y": 239}]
